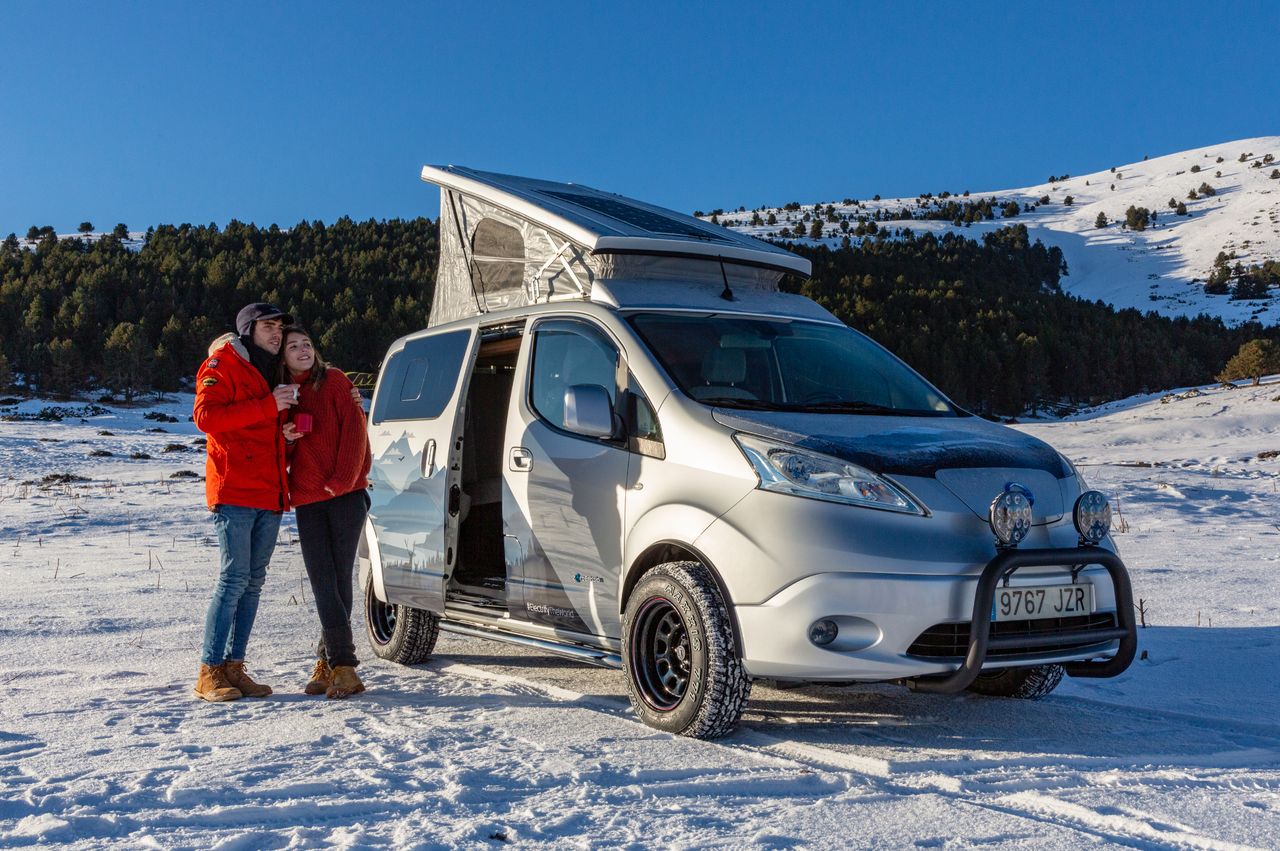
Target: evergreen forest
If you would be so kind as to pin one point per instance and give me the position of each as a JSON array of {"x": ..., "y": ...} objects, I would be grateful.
[{"x": 986, "y": 321}]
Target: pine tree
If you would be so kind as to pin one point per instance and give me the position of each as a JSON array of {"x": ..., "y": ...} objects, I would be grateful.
[
  {"x": 127, "y": 360},
  {"x": 63, "y": 370},
  {"x": 1100, "y": 221},
  {"x": 1254, "y": 359}
]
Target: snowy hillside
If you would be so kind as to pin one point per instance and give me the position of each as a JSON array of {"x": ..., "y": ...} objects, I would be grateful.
[
  {"x": 1162, "y": 268},
  {"x": 107, "y": 558},
  {"x": 136, "y": 239}
]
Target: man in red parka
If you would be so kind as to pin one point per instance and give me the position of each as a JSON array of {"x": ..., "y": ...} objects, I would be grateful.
[{"x": 245, "y": 485}]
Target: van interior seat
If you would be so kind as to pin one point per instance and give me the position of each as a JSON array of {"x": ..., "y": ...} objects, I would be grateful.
[{"x": 722, "y": 371}]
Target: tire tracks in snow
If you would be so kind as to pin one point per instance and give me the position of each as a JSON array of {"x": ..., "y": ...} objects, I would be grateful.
[{"x": 1035, "y": 802}]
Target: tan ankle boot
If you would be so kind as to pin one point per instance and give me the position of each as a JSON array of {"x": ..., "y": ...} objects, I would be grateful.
[
  {"x": 212, "y": 685},
  {"x": 237, "y": 677},
  {"x": 345, "y": 683},
  {"x": 321, "y": 678}
]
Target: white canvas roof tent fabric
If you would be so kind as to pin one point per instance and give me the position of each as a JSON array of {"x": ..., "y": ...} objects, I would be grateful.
[{"x": 509, "y": 241}]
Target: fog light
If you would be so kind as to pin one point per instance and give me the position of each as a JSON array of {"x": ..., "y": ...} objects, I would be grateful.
[
  {"x": 1092, "y": 516},
  {"x": 823, "y": 632},
  {"x": 1010, "y": 515}
]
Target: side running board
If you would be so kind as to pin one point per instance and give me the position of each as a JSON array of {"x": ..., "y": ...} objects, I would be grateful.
[{"x": 602, "y": 658}]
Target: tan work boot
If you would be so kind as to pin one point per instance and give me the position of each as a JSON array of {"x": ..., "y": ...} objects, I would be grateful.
[
  {"x": 212, "y": 684},
  {"x": 321, "y": 678},
  {"x": 345, "y": 683},
  {"x": 237, "y": 677}
]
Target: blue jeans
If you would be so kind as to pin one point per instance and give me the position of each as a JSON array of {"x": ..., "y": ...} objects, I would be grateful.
[{"x": 247, "y": 537}]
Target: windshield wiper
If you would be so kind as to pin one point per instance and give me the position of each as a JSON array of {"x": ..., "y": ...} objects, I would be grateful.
[
  {"x": 744, "y": 404},
  {"x": 850, "y": 407}
]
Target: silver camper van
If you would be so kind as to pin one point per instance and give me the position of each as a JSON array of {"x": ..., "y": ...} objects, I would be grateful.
[{"x": 619, "y": 440}]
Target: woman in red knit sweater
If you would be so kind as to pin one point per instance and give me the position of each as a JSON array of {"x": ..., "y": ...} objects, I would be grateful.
[{"x": 328, "y": 473}]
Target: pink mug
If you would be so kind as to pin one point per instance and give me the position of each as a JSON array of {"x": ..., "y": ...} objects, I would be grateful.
[{"x": 302, "y": 422}]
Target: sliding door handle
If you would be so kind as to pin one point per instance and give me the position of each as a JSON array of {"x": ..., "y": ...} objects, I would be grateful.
[{"x": 429, "y": 458}]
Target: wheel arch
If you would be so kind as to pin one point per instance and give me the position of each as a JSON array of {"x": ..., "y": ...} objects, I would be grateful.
[
  {"x": 368, "y": 560},
  {"x": 661, "y": 552}
]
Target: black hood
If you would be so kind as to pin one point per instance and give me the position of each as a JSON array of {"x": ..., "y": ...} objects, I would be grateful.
[{"x": 904, "y": 446}]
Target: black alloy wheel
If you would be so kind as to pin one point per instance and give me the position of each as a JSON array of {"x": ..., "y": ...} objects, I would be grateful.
[
  {"x": 661, "y": 660},
  {"x": 680, "y": 658},
  {"x": 381, "y": 618},
  {"x": 396, "y": 632}
]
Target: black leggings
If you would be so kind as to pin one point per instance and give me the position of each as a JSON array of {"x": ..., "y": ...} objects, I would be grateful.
[{"x": 329, "y": 533}]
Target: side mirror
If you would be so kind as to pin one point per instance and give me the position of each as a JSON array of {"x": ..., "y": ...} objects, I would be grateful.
[{"x": 588, "y": 411}]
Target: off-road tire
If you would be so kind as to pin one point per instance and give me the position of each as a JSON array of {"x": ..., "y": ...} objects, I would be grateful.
[
  {"x": 1030, "y": 683},
  {"x": 398, "y": 633},
  {"x": 716, "y": 688}
]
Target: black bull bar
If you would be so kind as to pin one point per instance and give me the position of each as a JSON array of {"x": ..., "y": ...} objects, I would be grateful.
[{"x": 980, "y": 640}]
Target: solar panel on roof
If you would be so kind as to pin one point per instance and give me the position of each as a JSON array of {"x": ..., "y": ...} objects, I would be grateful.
[{"x": 636, "y": 216}]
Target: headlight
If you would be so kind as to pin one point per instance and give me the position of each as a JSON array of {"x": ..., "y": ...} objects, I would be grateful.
[
  {"x": 785, "y": 468},
  {"x": 1092, "y": 516},
  {"x": 1010, "y": 515}
]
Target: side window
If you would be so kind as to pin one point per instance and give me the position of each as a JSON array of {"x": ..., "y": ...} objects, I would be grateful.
[
  {"x": 418, "y": 381},
  {"x": 566, "y": 353}
]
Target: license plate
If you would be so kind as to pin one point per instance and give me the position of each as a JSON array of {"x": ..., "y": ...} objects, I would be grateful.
[{"x": 1036, "y": 603}]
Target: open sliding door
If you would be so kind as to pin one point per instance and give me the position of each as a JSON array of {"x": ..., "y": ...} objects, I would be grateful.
[{"x": 413, "y": 432}]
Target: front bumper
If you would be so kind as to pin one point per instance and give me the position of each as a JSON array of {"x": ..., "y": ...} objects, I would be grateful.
[
  {"x": 881, "y": 615},
  {"x": 1001, "y": 568}
]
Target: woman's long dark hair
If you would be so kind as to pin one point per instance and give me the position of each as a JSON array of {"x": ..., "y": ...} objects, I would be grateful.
[{"x": 318, "y": 368}]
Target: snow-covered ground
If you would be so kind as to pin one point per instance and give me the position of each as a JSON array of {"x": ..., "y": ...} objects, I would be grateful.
[
  {"x": 104, "y": 583},
  {"x": 1162, "y": 268}
]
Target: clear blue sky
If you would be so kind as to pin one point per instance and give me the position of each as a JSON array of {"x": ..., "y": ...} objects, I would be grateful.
[{"x": 276, "y": 112}]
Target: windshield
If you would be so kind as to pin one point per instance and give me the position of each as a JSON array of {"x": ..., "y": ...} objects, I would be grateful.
[{"x": 784, "y": 365}]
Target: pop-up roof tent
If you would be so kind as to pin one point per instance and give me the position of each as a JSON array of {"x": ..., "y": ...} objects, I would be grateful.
[{"x": 510, "y": 241}]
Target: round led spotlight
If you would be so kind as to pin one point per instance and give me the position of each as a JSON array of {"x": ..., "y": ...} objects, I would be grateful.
[
  {"x": 823, "y": 632},
  {"x": 1010, "y": 515},
  {"x": 1092, "y": 516}
]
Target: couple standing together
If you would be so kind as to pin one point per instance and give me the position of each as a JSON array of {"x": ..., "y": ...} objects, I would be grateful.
[{"x": 284, "y": 430}]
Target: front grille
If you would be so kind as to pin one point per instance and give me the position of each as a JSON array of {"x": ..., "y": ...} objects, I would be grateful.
[{"x": 951, "y": 640}]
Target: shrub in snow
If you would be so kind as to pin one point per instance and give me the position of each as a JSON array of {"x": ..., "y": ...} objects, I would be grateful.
[
  {"x": 1275, "y": 174},
  {"x": 1207, "y": 191},
  {"x": 1069, "y": 200},
  {"x": 1137, "y": 218},
  {"x": 1101, "y": 221},
  {"x": 1195, "y": 169},
  {"x": 1253, "y": 360}
]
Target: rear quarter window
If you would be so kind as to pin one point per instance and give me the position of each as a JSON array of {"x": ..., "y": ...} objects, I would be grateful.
[{"x": 418, "y": 381}]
